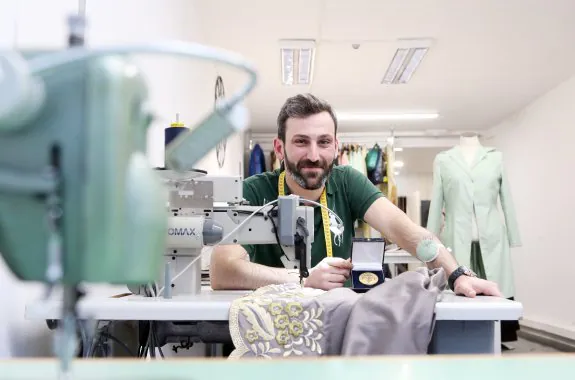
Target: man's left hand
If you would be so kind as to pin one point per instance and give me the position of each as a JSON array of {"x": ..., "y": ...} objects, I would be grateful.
[{"x": 472, "y": 286}]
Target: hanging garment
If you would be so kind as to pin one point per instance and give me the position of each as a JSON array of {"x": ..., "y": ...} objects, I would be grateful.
[
  {"x": 462, "y": 189},
  {"x": 358, "y": 160},
  {"x": 257, "y": 161},
  {"x": 363, "y": 162},
  {"x": 374, "y": 163},
  {"x": 344, "y": 158},
  {"x": 396, "y": 317}
]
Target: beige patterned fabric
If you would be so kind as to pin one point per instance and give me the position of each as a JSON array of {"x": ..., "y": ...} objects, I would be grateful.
[
  {"x": 277, "y": 320},
  {"x": 396, "y": 317}
]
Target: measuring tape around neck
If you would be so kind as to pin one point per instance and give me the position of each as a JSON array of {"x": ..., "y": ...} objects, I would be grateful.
[{"x": 324, "y": 213}]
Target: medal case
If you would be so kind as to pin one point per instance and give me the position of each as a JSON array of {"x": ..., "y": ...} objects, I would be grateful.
[{"x": 367, "y": 256}]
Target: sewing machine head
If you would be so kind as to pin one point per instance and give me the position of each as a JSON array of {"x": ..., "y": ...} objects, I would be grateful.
[
  {"x": 209, "y": 210},
  {"x": 78, "y": 200}
]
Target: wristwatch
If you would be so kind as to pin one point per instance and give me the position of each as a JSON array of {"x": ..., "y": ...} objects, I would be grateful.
[{"x": 461, "y": 271}]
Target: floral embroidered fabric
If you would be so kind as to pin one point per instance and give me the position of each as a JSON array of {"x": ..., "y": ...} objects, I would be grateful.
[
  {"x": 277, "y": 320},
  {"x": 396, "y": 317}
]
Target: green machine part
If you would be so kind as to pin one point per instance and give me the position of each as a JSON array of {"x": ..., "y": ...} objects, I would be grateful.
[{"x": 111, "y": 204}]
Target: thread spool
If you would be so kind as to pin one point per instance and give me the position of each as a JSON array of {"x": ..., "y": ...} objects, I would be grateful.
[{"x": 173, "y": 131}]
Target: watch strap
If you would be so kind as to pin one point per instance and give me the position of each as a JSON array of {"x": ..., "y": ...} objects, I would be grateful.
[{"x": 461, "y": 271}]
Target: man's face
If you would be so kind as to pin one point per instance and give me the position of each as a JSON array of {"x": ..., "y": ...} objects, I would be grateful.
[{"x": 310, "y": 149}]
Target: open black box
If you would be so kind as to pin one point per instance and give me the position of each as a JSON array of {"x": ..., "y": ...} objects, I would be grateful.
[{"x": 367, "y": 255}]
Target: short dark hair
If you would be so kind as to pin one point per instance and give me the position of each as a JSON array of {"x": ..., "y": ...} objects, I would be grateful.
[{"x": 301, "y": 106}]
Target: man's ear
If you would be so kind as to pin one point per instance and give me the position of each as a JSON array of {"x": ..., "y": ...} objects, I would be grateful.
[
  {"x": 336, "y": 149},
  {"x": 279, "y": 149}
]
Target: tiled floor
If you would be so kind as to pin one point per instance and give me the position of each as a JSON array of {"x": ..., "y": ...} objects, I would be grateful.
[{"x": 523, "y": 346}]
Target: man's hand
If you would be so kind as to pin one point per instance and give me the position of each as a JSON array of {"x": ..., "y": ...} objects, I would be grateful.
[
  {"x": 330, "y": 273},
  {"x": 472, "y": 286}
]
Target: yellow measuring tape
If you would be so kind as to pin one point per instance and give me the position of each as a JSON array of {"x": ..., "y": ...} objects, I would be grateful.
[{"x": 324, "y": 214}]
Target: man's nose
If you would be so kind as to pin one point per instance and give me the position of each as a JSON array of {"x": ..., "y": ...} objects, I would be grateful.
[{"x": 313, "y": 153}]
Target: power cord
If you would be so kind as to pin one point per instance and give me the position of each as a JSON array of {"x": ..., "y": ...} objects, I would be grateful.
[
  {"x": 271, "y": 214},
  {"x": 231, "y": 233},
  {"x": 100, "y": 340},
  {"x": 256, "y": 212}
]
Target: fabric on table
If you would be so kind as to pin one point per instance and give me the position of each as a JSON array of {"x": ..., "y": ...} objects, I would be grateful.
[
  {"x": 277, "y": 320},
  {"x": 287, "y": 320},
  {"x": 397, "y": 317}
]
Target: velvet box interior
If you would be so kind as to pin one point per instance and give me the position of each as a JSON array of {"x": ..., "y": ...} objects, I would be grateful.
[{"x": 367, "y": 259}]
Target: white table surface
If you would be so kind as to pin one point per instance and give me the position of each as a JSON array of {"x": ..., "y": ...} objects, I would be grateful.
[
  {"x": 400, "y": 257},
  {"x": 214, "y": 306}
]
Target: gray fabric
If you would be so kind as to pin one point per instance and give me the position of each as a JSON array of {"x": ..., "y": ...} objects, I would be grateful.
[
  {"x": 337, "y": 305},
  {"x": 396, "y": 317}
]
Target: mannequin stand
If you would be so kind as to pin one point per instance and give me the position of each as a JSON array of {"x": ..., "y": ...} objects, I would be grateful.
[{"x": 508, "y": 328}]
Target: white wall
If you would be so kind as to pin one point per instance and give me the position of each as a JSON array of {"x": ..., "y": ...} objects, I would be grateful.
[
  {"x": 408, "y": 183},
  {"x": 537, "y": 146},
  {"x": 176, "y": 86}
]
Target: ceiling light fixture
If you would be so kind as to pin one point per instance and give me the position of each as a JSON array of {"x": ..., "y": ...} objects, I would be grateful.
[
  {"x": 405, "y": 61},
  {"x": 297, "y": 61},
  {"x": 398, "y": 164},
  {"x": 385, "y": 116}
]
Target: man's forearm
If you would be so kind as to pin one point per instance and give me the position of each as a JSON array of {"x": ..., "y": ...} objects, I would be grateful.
[
  {"x": 254, "y": 276},
  {"x": 408, "y": 235},
  {"x": 230, "y": 270}
]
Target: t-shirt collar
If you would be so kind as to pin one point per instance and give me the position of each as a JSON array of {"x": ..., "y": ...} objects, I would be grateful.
[{"x": 329, "y": 184}]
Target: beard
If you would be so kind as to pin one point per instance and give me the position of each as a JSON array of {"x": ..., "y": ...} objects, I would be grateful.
[{"x": 310, "y": 180}]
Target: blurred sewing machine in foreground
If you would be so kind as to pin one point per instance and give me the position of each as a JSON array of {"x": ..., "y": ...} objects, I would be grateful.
[{"x": 79, "y": 202}]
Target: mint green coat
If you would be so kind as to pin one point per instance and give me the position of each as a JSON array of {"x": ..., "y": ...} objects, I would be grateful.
[{"x": 459, "y": 188}]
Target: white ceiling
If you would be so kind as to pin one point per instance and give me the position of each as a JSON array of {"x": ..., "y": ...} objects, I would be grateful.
[{"x": 489, "y": 59}]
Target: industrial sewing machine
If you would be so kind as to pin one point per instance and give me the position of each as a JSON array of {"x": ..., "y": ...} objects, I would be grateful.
[{"x": 210, "y": 210}]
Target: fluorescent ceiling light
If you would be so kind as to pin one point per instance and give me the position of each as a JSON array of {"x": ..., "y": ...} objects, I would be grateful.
[
  {"x": 398, "y": 149},
  {"x": 398, "y": 164},
  {"x": 385, "y": 116},
  {"x": 405, "y": 61},
  {"x": 297, "y": 60},
  {"x": 396, "y": 173}
]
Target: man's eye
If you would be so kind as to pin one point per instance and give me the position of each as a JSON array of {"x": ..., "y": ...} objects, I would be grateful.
[
  {"x": 325, "y": 142},
  {"x": 300, "y": 141}
]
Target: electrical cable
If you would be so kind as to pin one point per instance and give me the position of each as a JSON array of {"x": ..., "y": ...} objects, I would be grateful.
[
  {"x": 84, "y": 338},
  {"x": 231, "y": 233},
  {"x": 182, "y": 271},
  {"x": 256, "y": 212},
  {"x": 47, "y": 62},
  {"x": 303, "y": 200},
  {"x": 117, "y": 341},
  {"x": 276, "y": 229}
]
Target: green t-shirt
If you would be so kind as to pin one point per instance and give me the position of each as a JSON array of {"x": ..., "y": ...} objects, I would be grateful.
[{"x": 349, "y": 195}]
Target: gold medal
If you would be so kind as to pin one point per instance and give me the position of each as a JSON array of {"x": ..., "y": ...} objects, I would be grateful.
[{"x": 368, "y": 278}]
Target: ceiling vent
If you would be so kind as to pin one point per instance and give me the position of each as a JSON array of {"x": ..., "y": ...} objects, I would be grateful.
[
  {"x": 297, "y": 60},
  {"x": 406, "y": 60}
]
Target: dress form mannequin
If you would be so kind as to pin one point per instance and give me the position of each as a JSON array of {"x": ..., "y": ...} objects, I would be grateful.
[
  {"x": 469, "y": 145},
  {"x": 471, "y": 193}
]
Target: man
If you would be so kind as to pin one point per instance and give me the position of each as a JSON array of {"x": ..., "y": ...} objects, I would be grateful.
[{"x": 308, "y": 146}]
